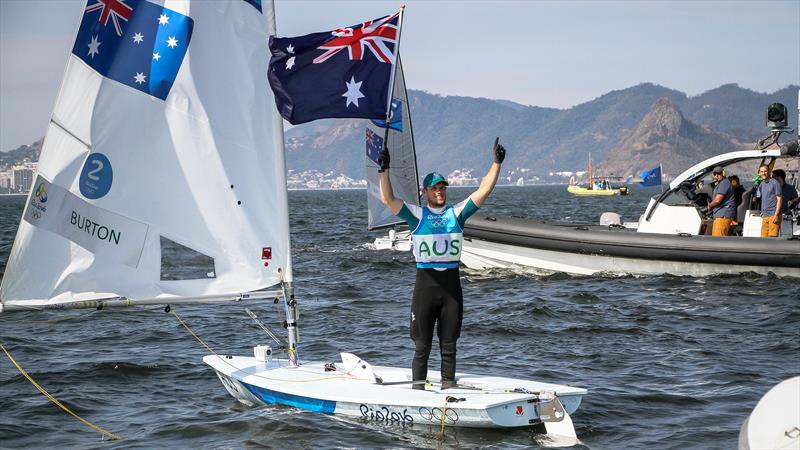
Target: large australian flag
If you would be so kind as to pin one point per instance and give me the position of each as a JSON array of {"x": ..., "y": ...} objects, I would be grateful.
[
  {"x": 335, "y": 74},
  {"x": 134, "y": 42}
]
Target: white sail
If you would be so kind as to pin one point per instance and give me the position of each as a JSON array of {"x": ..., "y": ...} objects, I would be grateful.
[
  {"x": 403, "y": 173},
  {"x": 124, "y": 174}
]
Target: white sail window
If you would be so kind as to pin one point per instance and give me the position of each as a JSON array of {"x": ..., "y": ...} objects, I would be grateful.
[{"x": 179, "y": 262}]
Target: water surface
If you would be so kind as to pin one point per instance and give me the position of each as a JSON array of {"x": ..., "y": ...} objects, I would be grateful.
[{"x": 669, "y": 362}]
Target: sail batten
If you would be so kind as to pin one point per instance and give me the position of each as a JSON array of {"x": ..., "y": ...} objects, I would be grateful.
[{"x": 194, "y": 157}]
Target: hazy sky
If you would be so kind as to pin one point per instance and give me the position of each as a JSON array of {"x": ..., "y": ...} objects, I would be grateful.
[{"x": 544, "y": 53}]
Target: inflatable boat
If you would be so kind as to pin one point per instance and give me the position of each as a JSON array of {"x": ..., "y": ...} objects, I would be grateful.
[{"x": 668, "y": 238}]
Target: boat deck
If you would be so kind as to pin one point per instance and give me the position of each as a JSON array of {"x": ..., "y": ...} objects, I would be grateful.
[{"x": 311, "y": 380}]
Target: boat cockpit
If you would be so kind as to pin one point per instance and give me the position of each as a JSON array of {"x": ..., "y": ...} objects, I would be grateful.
[{"x": 680, "y": 208}]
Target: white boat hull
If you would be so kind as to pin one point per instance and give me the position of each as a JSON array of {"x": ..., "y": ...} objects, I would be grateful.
[
  {"x": 400, "y": 242},
  {"x": 490, "y": 403},
  {"x": 775, "y": 421},
  {"x": 481, "y": 254}
]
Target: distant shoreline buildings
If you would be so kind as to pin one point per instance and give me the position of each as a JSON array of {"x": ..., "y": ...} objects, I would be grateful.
[{"x": 18, "y": 179}]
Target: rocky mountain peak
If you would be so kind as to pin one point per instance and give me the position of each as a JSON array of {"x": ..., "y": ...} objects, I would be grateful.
[
  {"x": 663, "y": 120},
  {"x": 665, "y": 137}
]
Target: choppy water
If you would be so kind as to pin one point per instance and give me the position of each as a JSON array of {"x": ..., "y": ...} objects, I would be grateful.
[{"x": 670, "y": 362}]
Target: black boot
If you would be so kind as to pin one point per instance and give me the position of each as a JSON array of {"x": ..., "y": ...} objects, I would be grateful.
[
  {"x": 419, "y": 366},
  {"x": 448, "y": 350},
  {"x": 449, "y": 384}
]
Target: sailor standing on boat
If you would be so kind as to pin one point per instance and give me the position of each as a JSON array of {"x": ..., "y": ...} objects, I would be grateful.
[
  {"x": 437, "y": 237},
  {"x": 723, "y": 204}
]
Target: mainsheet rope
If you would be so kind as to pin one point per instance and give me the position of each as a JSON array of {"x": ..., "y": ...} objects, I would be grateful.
[
  {"x": 223, "y": 359},
  {"x": 55, "y": 400}
]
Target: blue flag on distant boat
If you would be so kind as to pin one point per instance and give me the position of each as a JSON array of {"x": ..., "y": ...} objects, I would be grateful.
[
  {"x": 342, "y": 73},
  {"x": 651, "y": 177},
  {"x": 134, "y": 42}
]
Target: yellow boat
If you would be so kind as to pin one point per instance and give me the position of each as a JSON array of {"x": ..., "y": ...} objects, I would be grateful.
[
  {"x": 597, "y": 186},
  {"x": 579, "y": 190}
]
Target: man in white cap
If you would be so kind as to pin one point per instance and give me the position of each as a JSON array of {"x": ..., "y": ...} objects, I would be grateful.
[{"x": 437, "y": 237}]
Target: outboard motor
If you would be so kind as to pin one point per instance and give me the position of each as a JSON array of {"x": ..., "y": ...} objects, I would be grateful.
[{"x": 610, "y": 219}]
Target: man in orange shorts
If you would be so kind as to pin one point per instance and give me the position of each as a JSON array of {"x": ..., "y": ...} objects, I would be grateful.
[
  {"x": 723, "y": 204},
  {"x": 769, "y": 191}
]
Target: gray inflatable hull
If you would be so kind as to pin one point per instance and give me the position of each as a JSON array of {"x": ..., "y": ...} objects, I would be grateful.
[{"x": 626, "y": 243}]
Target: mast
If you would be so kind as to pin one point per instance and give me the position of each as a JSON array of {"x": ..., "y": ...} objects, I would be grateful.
[
  {"x": 418, "y": 197},
  {"x": 591, "y": 183},
  {"x": 290, "y": 304}
]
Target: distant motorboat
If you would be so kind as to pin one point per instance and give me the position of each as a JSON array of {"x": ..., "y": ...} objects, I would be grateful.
[
  {"x": 584, "y": 191},
  {"x": 598, "y": 186}
]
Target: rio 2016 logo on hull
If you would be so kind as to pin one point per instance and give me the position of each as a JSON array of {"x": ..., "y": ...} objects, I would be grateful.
[{"x": 384, "y": 414}]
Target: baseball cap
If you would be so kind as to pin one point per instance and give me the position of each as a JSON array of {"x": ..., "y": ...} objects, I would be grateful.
[
  {"x": 433, "y": 178},
  {"x": 717, "y": 169}
]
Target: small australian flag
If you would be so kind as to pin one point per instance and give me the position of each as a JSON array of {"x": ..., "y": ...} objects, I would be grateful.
[
  {"x": 134, "y": 42},
  {"x": 335, "y": 74},
  {"x": 374, "y": 145}
]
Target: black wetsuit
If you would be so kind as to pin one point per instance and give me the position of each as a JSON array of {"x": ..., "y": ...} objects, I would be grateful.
[{"x": 437, "y": 301}]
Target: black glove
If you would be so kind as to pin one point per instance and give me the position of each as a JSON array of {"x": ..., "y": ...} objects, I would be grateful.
[
  {"x": 499, "y": 152},
  {"x": 383, "y": 160}
]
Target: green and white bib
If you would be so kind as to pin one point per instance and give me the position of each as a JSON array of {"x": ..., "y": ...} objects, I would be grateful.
[{"x": 438, "y": 234}]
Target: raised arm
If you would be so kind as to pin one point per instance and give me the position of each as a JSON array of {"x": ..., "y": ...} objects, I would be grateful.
[
  {"x": 488, "y": 182},
  {"x": 387, "y": 194}
]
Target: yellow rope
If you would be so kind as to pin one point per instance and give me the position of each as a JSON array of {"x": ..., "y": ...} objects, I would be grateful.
[
  {"x": 444, "y": 414},
  {"x": 54, "y": 400},
  {"x": 185, "y": 325}
]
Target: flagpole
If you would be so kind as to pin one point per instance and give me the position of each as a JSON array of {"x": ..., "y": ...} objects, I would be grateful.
[
  {"x": 394, "y": 64},
  {"x": 391, "y": 80}
]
